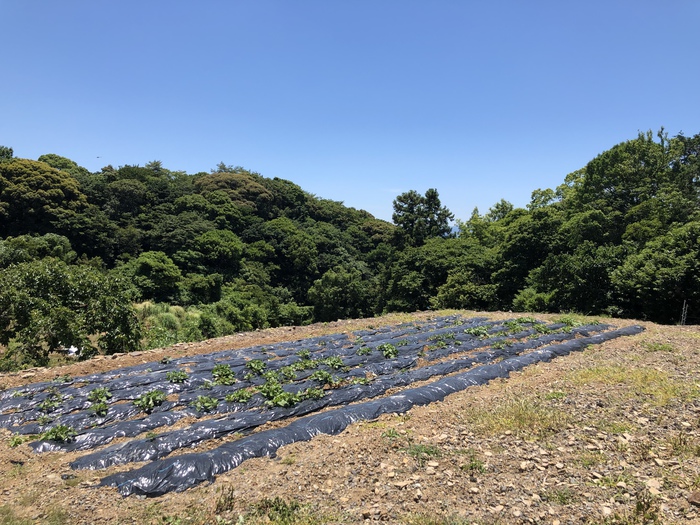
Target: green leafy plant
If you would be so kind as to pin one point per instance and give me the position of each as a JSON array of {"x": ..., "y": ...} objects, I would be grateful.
[
  {"x": 283, "y": 399},
  {"x": 311, "y": 393},
  {"x": 269, "y": 389},
  {"x": 223, "y": 375},
  {"x": 324, "y": 377},
  {"x": 239, "y": 396},
  {"x": 176, "y": 376},
  {"x": 60, "y": 433},
  {"x": 100, "y": 394},
  {"x": 205, "y": 404},
  {"x": 256, "y": 366},
  {"x": 364, "y": 350},
  {"x": 150, "y": 400},
  {"x": 477, "y": 331},
  {"x": 304, "y": 354},
  {"x": 44, "y": 419},
  {"x": 388, "y": 350},
  {"x": 100, "y": 408},
  {"x": 287, "y": 373},
  {"x": 541, "y": 328},
  {"x": 52, "y": 401},
  {"x": 305, "y": 364},
  {"x": 333, "y": 362},
  {"x": 17, "y": 439}
]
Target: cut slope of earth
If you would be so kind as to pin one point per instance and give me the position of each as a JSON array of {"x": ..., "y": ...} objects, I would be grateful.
[{"x": 577, "y": 437}]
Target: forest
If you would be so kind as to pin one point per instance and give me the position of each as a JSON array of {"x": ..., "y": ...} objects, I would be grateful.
[{"x": 139, "y": 257}]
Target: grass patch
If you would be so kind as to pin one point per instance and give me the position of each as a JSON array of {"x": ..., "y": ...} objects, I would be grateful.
[
  {"x": 614, "y": 427},
  {"x": 555, "y": 395},
  {"x": 591, "y": 459},
  {"x": 522, "y": 416},
  {"x": 657, "y": 347},
  {"x": 278, "y": 511},
  {"x": 560, "y": 496},
  {"x": 8, "y": 517},
  {"x": 421, "y": 453},
  {"x": 656, "y": 384},
  {"x": 473, "y": 465}
]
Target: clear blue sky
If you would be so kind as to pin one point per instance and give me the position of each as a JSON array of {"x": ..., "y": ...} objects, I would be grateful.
[{"x": 355, "y": 101}]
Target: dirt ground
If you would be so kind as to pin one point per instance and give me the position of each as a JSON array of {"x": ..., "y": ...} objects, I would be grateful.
[{"x": 607, "y": 435}]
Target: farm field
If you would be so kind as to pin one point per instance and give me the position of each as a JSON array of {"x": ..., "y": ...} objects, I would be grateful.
[{"x": 403, "y": 419}]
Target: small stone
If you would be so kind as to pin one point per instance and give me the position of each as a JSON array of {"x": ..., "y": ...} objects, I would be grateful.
[
  {"x": 653, "y": 483},
  {"x": 474, "y": 490},
  {"x": 433, "y": 464},
  {"x": 517, "y": 513},
  {"x": 694, "y": 498},
  {"x": 607, "y": 511}
]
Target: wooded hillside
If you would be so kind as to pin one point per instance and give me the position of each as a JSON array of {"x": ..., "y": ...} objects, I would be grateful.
[{"x": 148, "y": 256}]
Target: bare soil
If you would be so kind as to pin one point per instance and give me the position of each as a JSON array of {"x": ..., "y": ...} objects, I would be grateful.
[{"x": 607, "y": 435}]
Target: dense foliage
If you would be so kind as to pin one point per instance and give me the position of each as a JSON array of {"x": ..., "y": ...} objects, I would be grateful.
[{"x": 146, "y": 255}]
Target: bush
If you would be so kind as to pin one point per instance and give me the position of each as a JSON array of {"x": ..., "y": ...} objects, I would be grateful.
[{"x": 47, "y": 306}]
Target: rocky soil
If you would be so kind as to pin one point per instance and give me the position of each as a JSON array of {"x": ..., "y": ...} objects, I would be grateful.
[{"x": 608, "y": 435}]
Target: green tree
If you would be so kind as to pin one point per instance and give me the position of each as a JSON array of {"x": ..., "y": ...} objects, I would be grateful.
[
  {"x": 221, "y": 250},
  {"x": 653, "y": 283},
  {"x": 6, "y": 153},
  {"x": 25, "y": 248},
  {"x": 155, "y": 275},
  {"x": 47, "y": 305},
  {"x": 33, "y": 196},
  {"x": 63, "y": 164},
  {"x": 341, "y": 293},
  {"x": 420, "y": 218}
]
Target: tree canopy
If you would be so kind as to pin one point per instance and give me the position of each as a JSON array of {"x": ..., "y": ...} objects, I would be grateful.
[{"x": 229, "y": 249}]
